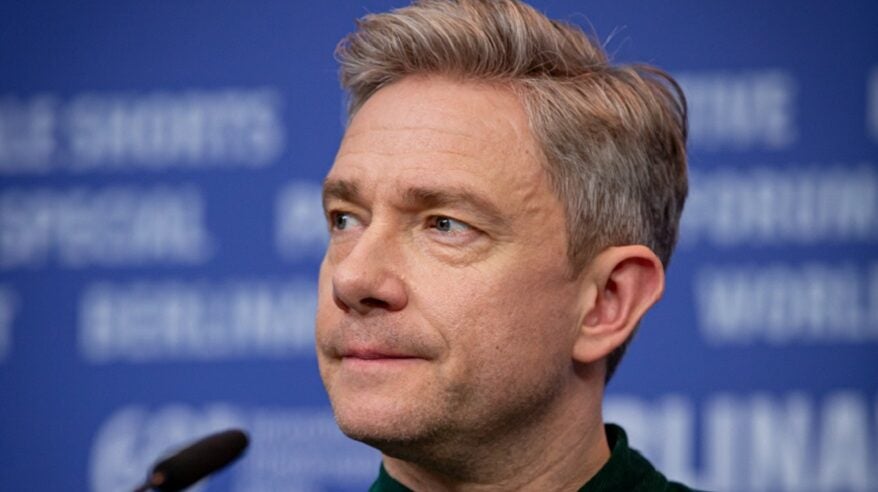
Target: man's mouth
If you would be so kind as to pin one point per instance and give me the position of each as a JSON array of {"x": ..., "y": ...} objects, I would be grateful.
[{"x": 376, "y": 355}]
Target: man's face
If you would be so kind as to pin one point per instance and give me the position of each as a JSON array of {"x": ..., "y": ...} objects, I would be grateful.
[{"x": 446, "y": 307}]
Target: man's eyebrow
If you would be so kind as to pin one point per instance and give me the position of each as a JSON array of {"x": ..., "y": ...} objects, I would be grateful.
[
  {"x": 418, "y": 197},
  {"x": 340, "y": 190}
]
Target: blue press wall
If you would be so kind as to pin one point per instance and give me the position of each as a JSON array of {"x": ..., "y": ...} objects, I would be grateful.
[{"x": 160, "y": 233}]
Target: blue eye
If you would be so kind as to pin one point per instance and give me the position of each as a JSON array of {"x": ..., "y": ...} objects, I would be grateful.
[
  {"x": 342, "y": 220},
  {"x": 447, "y": 224}
]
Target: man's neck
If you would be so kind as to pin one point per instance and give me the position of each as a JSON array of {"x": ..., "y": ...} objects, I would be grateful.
[{"x": 562, "y": 452}]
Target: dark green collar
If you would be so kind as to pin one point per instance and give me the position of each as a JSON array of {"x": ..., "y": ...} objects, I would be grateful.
[
  {"x": 386, "y": 483},
  {"x": 626, "y": 470}
]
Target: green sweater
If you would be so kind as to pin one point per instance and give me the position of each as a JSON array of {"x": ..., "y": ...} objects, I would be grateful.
[{"x": 626, "y": 471}]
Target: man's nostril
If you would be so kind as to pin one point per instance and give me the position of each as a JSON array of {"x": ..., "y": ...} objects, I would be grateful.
[{"x": 374, "y": 303}]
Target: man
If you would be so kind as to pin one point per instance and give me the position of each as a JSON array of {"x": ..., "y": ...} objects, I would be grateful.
[{"x": 502, "y": 208}]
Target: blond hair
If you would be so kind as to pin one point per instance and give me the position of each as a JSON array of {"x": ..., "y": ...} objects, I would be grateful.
[{"x": 613, "y": 137}]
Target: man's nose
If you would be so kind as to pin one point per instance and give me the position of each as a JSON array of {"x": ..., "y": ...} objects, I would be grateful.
[{"x": 369, "y": 277}]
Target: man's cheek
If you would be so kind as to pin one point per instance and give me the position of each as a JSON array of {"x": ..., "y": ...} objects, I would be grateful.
[{"x": 326, "y": 318}]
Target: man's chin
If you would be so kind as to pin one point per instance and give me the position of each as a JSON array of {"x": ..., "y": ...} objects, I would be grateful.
[
  {"x": 430, "y": 448},
  {"x": 402, "y": 441},
  {"x": 375, "y": 423},
  {"x": 383, "y": 422}
]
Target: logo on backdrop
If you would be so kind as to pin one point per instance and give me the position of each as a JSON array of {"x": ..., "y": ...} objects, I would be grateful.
[
  {"x": 140, "y": 322},
  {"x": 131, "y": 131},
  {"x": 741, "y": 110},
  {"x": 758, "y": 442},
  {"x": 291, "y": 450},
  {"x": 107, "y": 227}
]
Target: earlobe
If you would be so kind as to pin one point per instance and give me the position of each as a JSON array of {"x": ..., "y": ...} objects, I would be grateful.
[{"x": 625, "y": 282}]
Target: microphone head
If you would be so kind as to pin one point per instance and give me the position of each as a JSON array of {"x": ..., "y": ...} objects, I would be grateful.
[{"x": 198, "y": 460}]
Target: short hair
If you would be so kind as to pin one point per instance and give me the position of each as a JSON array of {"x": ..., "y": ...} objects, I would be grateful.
[{"x": 613, "y": 137}]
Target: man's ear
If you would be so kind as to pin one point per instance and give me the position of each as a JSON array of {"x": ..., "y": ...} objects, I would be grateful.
[{"x": 623, "y": 281}]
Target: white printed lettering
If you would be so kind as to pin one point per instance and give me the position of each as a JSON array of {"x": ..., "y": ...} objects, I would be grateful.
[
  {"x": 296, "y": 450},
  {"x": 130, "y": 441},
  {"x": 778, "y": 207},
  {"x": 146, "y": 322},
  {"x": 27, "y": 134},
  {"x": 788, "y": 422},
  {"x": 782, "y": 304},
  {"x": 741, "y": 110},
  {"x": 781, "y": 443},
  {"x": 846, "y": 457},
  {"x": 724, "y": 459},
  {"x": 191, "y": 129},
  {"x": 113, "y": 226}
]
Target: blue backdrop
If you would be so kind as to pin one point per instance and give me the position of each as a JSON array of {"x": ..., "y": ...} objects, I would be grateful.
[{"x": 160, "y": 234}]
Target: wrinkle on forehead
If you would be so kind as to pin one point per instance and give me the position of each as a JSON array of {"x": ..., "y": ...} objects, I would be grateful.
[
  {"x": 403, "y": 150},
  {"x": 404, "y": 140},
  {"x": 378, "y": 129}
]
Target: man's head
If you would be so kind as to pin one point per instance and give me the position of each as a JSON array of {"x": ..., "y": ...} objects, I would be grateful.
[
  {"x": 612, "y": 138},
  {"x": 500, "y": 210}
]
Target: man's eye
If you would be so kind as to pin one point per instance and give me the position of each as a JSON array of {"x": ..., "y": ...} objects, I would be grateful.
[
  {"x": 342, "y": 220},
  {"x": 447, "y": 224}
]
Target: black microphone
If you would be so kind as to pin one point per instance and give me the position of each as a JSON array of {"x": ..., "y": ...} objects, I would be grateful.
[{"x": 196, "y": 461}]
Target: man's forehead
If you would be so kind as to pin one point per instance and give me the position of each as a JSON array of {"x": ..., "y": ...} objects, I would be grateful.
[
  {"x": 436, "y": 110},
  {"x": 442, "y": 139},
  {"x": 402, "y": 140}
]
